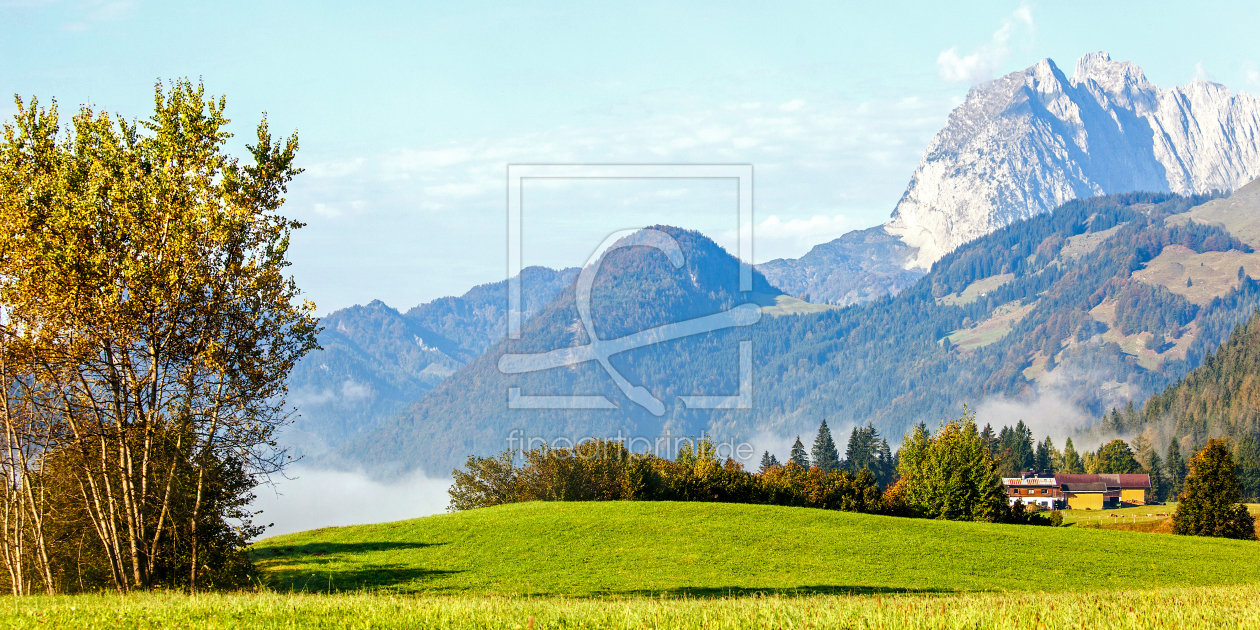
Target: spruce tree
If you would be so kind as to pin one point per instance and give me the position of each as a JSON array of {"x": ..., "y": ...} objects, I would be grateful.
[
  {"x": 990, "y": 440},
  {"x": 1115, "y": 457},
  {"x": 1176, "y": 468},
  {"x": 1211, "y": 505},
  {"x": 798, "y": 454},
  {"x": 1044, "y": 459},
  {"x": 824, "y": 452},
  {"x": 1072, "y": 463},
  {"x": 887, "y": 464},
  {"x": 768, "y": 461},
  {"x": 1155, "y": 468},
  {"x": 1247, "y": 454}
]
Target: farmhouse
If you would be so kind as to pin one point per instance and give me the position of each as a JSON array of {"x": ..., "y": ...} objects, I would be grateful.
[{"x": 1077, "y": 492}]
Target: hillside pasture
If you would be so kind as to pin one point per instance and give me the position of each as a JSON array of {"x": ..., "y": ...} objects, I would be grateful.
[{"x": 627, "y": 549}]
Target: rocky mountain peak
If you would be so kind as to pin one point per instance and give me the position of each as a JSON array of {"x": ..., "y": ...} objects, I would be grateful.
[{"x": 1027, "y": 142}]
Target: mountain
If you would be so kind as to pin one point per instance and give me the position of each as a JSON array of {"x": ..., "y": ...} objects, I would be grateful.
[
  {"x": 1024, "y": 144},
  {"x": 636, "y": 289},
  {"x": 374, "y": 361},
  {"x": 857, "y": 267},
  {"x": 1106, "y": 300},
  {"x": 478, "y": 319},
  {"x": 1032, "y": 140}
]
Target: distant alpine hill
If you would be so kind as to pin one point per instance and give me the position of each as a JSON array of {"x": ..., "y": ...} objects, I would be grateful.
[
  {"x": 1102, "y": 301},
  {"x": 375, "y": 361},
  {"x": 1026, "y": 143}
]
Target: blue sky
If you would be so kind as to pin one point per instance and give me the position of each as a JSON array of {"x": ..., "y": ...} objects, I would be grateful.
[{"x": 409, "y": 112}]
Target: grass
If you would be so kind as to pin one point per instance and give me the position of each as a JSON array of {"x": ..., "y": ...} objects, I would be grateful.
[
  {"x": 1082, "y": 244},
  {"x": 1214, "y": 273},
  {"x": 788, "y": 305},
  {"x": 976, "y": 289},
  {"x": 1209, "y": 607},
  {"x": 702, "y": 565},
  {"x": 626, "y": 549},
  {"x": 997, "y": 326}
]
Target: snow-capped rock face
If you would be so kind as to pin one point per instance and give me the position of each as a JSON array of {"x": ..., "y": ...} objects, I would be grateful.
[{"x": 1032, "y": 140}]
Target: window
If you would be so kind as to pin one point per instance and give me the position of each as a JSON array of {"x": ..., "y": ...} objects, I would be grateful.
[
  {"x": 1030, "y": 491},
  {"x": 1045, "y": 491}
]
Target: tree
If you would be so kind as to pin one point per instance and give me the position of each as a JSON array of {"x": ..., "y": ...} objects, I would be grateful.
[
  {"x": 1072, "y": 463},
  {"x": 768, "y": 461},
  {"x": 1247, "y": 454},
  {"x": 862, "y": 451},
  {"x": 1210, "y": 504},
  {"x": 798, "y": 454},
  {"x": 1044, "y": 458},
  {"x": 145, "y": 269},
  {"x": 1115, "y": 457},
  {"x": 824, "y": 452},
  {"x": 1155, "y": 468},
  {"x": 1016, "y": 450},
  {"x": 951, "y": 475},
  {"x": 990, "y": 439},
  {"x": 1176, "y": 467},
  {"x": 887, "y": 472}
]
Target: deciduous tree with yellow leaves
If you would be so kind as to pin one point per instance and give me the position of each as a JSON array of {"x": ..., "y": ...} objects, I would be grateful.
[{"x": 148, "y": 330}]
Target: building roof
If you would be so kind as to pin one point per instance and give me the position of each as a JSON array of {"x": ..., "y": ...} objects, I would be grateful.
[
  {"x": 1096, "y": 486},
  {"x": 1076, "y": 481}
]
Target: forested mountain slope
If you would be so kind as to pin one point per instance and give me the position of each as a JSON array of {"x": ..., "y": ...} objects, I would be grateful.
[
  {"x": 1057, "y": 304},
  {"x": 1219, "y": 398},
  {"x": 374, "y": 361}
]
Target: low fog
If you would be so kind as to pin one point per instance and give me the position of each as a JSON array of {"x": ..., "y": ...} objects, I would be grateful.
[{"x": 321, "y": 498}]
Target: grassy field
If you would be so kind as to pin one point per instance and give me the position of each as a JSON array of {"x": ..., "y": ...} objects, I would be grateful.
[
  {"x": 1209, "y": 607},
  {"x": 626, "y": 549},
  {"x": 976, "y": 289},
  {"x": 703, "y": 565}
]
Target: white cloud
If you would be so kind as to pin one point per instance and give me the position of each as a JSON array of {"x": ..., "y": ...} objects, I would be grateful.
[
  {"x": 1200, "y": 72},
  {"x": 327, "y": 211},
  {"x": 774, "y": 227},
  {"x": 445, "y": 201},
  {"x": 983, "y": 64},
  {"x": 325, "y": 498},
  {"x": 792, "y": 105}
]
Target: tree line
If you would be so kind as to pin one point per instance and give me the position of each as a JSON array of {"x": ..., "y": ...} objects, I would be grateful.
[{"x": 947, "y": 475}]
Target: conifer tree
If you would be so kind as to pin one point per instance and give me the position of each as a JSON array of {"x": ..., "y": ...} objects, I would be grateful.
[
  {"x": 1210, "y": 504},
  {"x": 1115, "y": 457},
  {"x": 798, "y": 454},
  {"x": 1044, "y": 459},
  {"x": 768, "y": 461},
  {"x": 1176, "y": 467},
  {"x": 1072, "y": 463},
  {"x": 1155, "y": 468},
  {"x": 824, "y": 452},
  {"x": 1247, "y": 454},
  {"x": 887, "y": 464},
  {"x": 990, "y": 439}
]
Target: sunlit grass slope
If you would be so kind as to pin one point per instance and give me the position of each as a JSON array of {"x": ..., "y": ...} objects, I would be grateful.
[
  {"x": 1182, "y": 608},
  {"x": 627, "y": 548}
]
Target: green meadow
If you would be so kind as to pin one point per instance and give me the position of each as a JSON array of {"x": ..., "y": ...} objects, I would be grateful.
[
  {"x": 627, "y": 549},
  {"x": 1182, "y": 608},
  {"x": 702, "y": 565}
]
